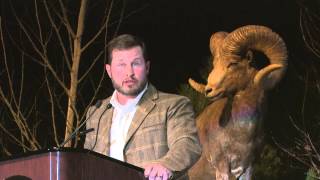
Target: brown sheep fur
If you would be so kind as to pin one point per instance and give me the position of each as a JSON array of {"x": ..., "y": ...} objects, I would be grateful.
[{"x": 230, "y": 127}]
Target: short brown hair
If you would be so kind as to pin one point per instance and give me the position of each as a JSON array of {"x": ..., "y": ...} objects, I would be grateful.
[{"x": 126, "y": 41}]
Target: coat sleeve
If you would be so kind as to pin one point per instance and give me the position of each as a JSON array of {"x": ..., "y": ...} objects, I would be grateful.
[{"x": 182, "y": 136}]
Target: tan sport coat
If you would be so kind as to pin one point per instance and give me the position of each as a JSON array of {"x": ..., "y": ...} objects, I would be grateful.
[{"x": 162, "y": 130}]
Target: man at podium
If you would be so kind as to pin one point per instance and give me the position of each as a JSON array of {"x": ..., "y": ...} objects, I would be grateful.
[{"x": 139, "y": 124}]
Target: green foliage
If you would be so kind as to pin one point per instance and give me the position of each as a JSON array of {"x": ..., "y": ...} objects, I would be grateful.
[
  {"x": 198, "y": 100},
  {"x": 312, "y": 175},
  {"x": 270, "y": 165}
]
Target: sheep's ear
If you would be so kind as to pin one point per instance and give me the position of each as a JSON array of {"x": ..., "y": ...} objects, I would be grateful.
[
  {"x": 249, "y": 56},
  {"x": 264, "y": 77}
]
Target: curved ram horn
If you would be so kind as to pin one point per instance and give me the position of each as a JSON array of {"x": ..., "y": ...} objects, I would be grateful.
[
  {"x": 197, "y": 86},
  {"x": 263, "y": 73},
  {"x": 262, "y": 39},
  {"x": 216, "y": 41}
]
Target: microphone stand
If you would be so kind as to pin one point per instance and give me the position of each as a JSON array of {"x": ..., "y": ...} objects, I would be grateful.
[{"x": 73, "y": 134}]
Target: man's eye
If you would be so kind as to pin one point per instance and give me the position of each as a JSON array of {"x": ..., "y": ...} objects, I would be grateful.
[{"x": 136, "y": 63}]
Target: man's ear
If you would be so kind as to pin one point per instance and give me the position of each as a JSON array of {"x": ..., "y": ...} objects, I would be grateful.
[
  {"x": 108, "y": 69},
  {"x": 148, "y": 66}
]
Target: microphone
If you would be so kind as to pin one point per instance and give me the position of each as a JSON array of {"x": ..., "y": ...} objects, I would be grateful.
[
  {"x": 109, "y": 106},
  {"x": 81, "y": 133},
  {"x": 74, "y": 133},
  {"x": 95, "y": 141}
]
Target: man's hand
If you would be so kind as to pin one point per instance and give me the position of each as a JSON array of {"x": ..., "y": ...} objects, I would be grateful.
[{"x": 155, "y": 171}]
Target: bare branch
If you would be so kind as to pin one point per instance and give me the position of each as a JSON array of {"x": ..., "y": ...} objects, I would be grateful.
[
  {"x": 91, "y": 66},
  {"x": 56, "y": 29},
  {"x": 74, "y": 71},
  {"x": 66, "y": 20},
  {"x": 13, "y": 137},
  {"x": 104, "y": 26},
  {"x": 53, "y": 118},
  {"x": 51, "y": 31},
  {"x": 309, "y": 25},
  {"x": 18, "y": 116},
  {"x": 38, "y": 20},
  {"x": 291, "y": 153}
]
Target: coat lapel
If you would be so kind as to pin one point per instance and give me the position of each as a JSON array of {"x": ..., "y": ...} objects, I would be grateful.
[
  {"x": 104, "y": 133},
  {"x": 145, "y": 105}
]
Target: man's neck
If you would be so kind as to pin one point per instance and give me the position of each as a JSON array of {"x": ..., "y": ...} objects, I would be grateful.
[{"x": 123, "y": 99}]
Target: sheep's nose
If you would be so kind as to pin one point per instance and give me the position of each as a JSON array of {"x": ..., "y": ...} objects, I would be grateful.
[{"x": 208, "y": 90}]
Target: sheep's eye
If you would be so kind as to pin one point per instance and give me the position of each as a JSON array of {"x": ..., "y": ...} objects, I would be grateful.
[{"x": 232, "y": 64}]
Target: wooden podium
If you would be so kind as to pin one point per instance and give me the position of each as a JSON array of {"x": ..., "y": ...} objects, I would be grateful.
[{"x": 67, "y": 164}]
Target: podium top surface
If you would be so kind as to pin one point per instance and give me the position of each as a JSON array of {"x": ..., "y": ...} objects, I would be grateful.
[
  {"x": 67, "y": 151},
  {"x": 67, "y": 164}
]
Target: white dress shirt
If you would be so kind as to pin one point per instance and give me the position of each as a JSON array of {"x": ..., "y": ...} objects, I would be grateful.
[{"x": 121, "y": 120}]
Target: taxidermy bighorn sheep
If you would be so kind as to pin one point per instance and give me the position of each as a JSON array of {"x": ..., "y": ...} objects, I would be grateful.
[{"x": 230, "y": 126}]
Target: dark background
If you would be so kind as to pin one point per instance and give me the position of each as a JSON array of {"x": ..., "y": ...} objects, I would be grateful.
[
  {"x": 177, "y": 32},
  {"x": 177, "y": 35}
]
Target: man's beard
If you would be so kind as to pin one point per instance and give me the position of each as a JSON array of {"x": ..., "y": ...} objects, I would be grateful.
[{"x": 134, "y": 91}]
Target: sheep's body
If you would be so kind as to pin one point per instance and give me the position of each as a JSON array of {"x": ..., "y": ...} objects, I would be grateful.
[
  {"x": 230, "y": 128},
  {"x": 229, "y": 132}
]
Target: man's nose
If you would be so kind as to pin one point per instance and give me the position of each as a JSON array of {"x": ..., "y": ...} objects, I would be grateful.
[{"x": 129, "y": 71}]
